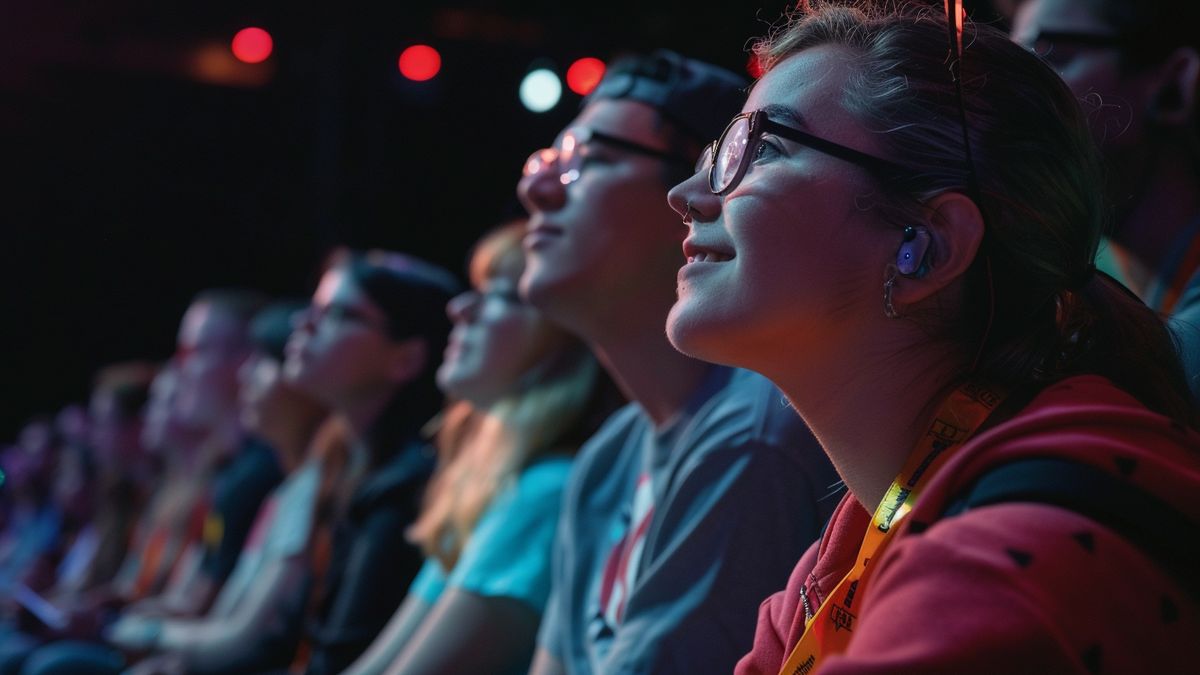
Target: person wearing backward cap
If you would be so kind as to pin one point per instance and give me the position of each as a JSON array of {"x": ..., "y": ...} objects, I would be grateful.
[{"x": 663, "y": 541}]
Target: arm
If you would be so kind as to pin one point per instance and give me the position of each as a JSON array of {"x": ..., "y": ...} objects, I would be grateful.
[
  {"x": 226, "y": 643},
  {"x": 465, "y": 632},
  {"x": 384, "y": 650}
]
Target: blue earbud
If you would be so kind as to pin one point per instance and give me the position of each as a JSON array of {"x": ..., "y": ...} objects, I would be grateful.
[{"x": 910, "y": 259}]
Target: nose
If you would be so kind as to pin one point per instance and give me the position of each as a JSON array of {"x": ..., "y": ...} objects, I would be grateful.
[
  {"x": 692, "y": 199},
  {"x": 463, "y": 307},
  {"x": 542, "y": 190}
]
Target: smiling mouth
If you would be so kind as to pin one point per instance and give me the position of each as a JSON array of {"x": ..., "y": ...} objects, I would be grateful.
[
  {"x": 539, "y": 236},
  {"x": 708, "y": 256},
  {"x": 695, "y": 253}
]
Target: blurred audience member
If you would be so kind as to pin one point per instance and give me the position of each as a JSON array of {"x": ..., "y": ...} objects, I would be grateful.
[
  {"x": 1136, "y": 67},
  {"x": 35, "y": 519},
  {"x": 368, "y": 348},
  {"x": 216, "y": 479},
  {"x": 254, "y": 623},
  {"x": 524, "y": 389}
]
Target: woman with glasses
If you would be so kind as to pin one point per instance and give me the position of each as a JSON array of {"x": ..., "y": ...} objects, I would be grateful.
[
  {"x": 909, "y": 256},
  {"x": 368, "y": 349},
  {"x": 525, "y": 393}
]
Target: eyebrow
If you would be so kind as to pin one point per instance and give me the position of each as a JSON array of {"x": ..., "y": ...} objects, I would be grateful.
[{"x": 776, "y": 112}]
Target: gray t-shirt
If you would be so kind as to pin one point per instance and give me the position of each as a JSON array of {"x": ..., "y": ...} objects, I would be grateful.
[{"x": 669, "y": 539}]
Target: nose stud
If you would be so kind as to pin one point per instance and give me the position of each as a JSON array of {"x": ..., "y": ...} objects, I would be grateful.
[{"x": 687, "y": 212}]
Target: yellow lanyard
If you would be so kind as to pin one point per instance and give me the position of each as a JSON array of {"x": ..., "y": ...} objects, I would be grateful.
[{"x": 831, "y": 627}]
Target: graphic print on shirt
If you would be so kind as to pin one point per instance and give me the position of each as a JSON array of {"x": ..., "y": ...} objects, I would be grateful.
[{"x": 620, "y": 570}]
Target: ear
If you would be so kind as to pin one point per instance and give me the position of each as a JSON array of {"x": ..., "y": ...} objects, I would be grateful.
[
  {"x": 955, "y": 226},
  {"x": 1174, "y": 102},
  {"x": 407, "y": 359}
]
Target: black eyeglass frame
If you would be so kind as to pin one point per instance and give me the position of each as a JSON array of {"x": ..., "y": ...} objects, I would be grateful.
[
  {"x": 761, "y": 124},
  {"x": 585, "y": 135}
]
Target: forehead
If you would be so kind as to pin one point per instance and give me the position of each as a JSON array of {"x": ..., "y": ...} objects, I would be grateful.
[
  {"x": 206, "y": 323},
  {"x": 337, "y": 287},
  {"x": 627, "y": 119},
  {"x": 1064, "y": 16},
  {"x": 811, "y": 83}
]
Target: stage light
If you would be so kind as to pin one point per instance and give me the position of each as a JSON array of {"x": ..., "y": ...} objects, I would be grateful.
[
  {"x": 584, "y": 75},
  {"x": 540, "y": 90},
  {"x": 252, "y": 45},
  {"x": 420, "y": 63}
]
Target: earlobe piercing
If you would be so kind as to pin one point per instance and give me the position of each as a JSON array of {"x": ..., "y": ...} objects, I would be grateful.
[{"x": 888, "y": 309}]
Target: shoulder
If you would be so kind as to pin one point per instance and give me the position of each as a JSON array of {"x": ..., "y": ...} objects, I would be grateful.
[
  {"x": 536, "y": 489},
  {"x": 1031, "y": 581},
  {"x": 613, "y": 443},
  {"x": 545, "y": 476},
  {"x": 749, "y": 410},
  {"x": 395, "y": 484},
  {"x": 749, "y": 423},
  {"x": 1088, "y": 420}
]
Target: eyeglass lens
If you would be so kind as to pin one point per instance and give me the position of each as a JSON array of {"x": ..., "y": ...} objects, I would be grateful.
[{"x": 730, "y": 153}]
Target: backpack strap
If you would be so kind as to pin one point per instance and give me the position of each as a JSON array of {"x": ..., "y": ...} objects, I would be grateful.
[{"x": 1162, "y": 532}]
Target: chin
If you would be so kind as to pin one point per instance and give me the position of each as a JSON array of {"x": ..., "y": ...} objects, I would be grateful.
[
  {"x": 535, "y": 287},
  {"x": 696, "y": 335}
]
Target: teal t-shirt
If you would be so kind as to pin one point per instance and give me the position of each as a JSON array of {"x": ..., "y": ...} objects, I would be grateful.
[{"x": 508, "y": 553}]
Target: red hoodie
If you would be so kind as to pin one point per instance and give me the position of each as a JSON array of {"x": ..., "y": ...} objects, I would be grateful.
[{"x": 1013, "y": 587}]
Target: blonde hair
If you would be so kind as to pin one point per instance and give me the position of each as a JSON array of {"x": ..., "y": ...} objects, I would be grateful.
[{"x": 481, "y": 451}]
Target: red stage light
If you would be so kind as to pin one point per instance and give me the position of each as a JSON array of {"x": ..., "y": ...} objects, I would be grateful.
[
  {"x": 584, "y": 75},
  {"x": 420, "y": 62},
  {"x": 252, "y": 45}
]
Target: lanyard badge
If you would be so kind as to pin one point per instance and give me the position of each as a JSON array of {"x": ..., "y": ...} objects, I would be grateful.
[{"x": 831, "y": 627}]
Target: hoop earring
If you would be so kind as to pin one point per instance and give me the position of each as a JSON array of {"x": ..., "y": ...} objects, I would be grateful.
[{"x": 888, "y": 309}]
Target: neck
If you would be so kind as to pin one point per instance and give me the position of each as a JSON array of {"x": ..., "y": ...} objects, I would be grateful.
[
  {"x": 869, "y": 424},
  {"x": 635, "y": 352},
  {"x": 291, "y": 442},
  {"x": 222, "y": 441},
  {"x": 1160, "y": 210},
  {"x": 362, "y": 411}
]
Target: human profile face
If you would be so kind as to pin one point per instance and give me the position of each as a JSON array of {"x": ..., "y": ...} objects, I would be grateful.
[
  {"x": 157, "y": 417},
  {"x": 497, "y": 338},
  {"x": 272, "y": 408},
  {"x": 789, "y": 264},
  {"x": 607, "y": 238},
  {"x": 339, "y": 350},
  {"x": 1116, "y": 95},
  {"x": 211, "y": 348},
  {"x": 262, "y": 397}
]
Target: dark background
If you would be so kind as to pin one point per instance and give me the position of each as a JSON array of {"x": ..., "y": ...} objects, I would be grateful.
[{"x": 132, "y": 179}]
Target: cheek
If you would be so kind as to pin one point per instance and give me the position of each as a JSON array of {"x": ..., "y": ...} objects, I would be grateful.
[{"x": 341, "y": 355}]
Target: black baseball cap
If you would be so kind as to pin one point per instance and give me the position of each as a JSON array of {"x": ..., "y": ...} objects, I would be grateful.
[{"x": 697, "y": 97}]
